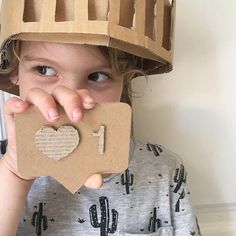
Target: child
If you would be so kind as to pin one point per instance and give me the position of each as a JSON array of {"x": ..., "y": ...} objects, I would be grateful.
[{"x": 150, "y": 198}]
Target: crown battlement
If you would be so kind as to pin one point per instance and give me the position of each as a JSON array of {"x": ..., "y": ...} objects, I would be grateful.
[{"x": 141, "y": 27}]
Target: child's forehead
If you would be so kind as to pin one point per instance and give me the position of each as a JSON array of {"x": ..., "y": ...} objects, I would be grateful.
[{"x": 62, "y": 51}]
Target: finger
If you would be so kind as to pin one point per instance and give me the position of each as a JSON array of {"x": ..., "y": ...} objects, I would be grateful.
[
  {"x": 12, "y": 106},
  {"x": 87, "y": 100},
  {"x": 44, "y": 102},
  {"x": 94, "y": 182},
  {"x": 71, "y": 102}
]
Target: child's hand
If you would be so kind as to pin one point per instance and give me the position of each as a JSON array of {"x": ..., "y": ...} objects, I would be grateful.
[{"x": 73, "y": 102}]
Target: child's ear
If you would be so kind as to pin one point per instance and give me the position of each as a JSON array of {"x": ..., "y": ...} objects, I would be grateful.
[{"x": 13, "y": 76}]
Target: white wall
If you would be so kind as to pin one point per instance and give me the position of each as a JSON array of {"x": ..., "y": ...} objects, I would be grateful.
[{"x": 192, "y": 110}]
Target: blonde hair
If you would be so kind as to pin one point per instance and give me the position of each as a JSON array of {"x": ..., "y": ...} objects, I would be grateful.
[
  {"x": 125, "y": 65},
  {"x": 9, "y": 57}
]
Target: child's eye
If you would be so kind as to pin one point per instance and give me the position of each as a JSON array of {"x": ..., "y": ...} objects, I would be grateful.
[
  {"x": 99, "y": 77},
  {"x": 46, "y": 71}
]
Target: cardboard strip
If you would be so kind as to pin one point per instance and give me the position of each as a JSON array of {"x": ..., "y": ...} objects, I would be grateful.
[
  {"x": 12, "y": 26},
  {"x": 89, "y": 27},
  {"x": 81, "y": 11},
  {"x": 114, "y": 12},
  {"x": 153, "y": 47},
  {"x": 131, "y": 48},
  {"x": 48, "y": 12},
  {"x": 119, "y": 33},
  {"x": 167, "y": 26},
  {"x": 159, "y": 25},
  {"x": 172, "y": 33},
  {"x": 77, "y": 38},
  {"x": 140, "y": 13},
  {"x": 149, "y": 18},
  {"x": 101, "y": 139}
]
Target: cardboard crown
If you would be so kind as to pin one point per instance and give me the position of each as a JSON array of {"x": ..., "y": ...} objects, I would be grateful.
[{"x": 140, "y": 27}]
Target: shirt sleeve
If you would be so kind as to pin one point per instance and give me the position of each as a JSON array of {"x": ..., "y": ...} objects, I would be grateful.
[{"x": 184, "y": 219}]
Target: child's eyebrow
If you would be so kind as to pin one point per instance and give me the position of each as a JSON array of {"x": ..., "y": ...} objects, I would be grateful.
[
  {"x": 38, "y": 59},
  {"x": 44, "y": 60}
]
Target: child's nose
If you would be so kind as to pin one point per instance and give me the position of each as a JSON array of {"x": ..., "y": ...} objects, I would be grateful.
[{"x": 74, "y": 83}]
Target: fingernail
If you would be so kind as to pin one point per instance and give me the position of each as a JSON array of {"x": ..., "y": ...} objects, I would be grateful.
[
  {"x": 19, "y": 104},
  {"x": 53, "y": 114},
  {"x": 88, "y": 100},
  {"x": 76, "y": 114},
  {"x": 88, "y": 105}
]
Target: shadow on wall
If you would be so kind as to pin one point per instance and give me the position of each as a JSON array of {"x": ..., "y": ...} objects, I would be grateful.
[
  {"x": 193, "y": 134},
  {"x": 182, "y": 110}
]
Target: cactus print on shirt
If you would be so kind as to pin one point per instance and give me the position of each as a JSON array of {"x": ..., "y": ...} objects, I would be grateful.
[{"x": 150, "y": 198}]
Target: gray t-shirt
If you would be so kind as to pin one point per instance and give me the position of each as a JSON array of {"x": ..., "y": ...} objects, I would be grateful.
[{"x": 150, "y": 198}]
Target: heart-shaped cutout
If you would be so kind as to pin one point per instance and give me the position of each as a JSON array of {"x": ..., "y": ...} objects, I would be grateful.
[{"x": 57, "y": 144}]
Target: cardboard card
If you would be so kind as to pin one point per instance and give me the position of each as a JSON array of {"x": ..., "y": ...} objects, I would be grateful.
[{"x": 72, "y": 152}]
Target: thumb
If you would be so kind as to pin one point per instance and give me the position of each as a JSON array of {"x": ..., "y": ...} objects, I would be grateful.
[
  {"x": 12, "y": 106},
  {"x": 94, "y": 182}
]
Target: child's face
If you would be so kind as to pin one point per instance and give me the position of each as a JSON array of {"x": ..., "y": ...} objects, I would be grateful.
[{"x": 48, "y": 65}]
